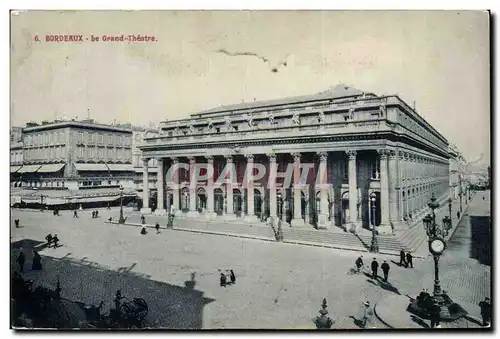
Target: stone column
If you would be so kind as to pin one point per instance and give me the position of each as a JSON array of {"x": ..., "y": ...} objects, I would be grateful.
[
  {"x": 273, "y": 168},
  {"x": 229, "y": 192},
  {"x": 176, "y": 201},
  {"x": 193, "y": 213},
  {"x": 211, "y": 215},
  {"x": 353, "y": 189},
  {"x": 394, "y": 181},
  {"x": 323, "y": 186},
  {"x": 297, "y": 190},
  {"x": 250, "y": 217},
  {"x": 145, "y": 187},
  {"x": 160, "y": 208},
  {"x": 384, "y": 227}
]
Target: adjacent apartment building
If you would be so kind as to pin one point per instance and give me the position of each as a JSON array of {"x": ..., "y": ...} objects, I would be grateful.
[{"x": 75, "y": 155}]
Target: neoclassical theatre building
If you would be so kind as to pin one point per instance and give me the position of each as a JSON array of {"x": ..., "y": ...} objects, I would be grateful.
[{"x": 382, "y": 161}]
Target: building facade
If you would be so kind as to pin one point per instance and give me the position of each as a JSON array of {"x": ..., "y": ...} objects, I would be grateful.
[
  {"x": 75, "y": 155},
  {"x": 382, "y": 161}
]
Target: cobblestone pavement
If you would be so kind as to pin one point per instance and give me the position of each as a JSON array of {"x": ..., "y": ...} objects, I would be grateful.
[{"x": 177, "y": 273}]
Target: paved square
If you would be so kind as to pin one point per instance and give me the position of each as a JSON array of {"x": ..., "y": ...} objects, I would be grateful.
[{"x": 278, "y": 285}]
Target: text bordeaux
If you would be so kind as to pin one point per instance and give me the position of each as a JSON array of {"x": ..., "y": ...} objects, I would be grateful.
[{"x": 69, "y": 38}]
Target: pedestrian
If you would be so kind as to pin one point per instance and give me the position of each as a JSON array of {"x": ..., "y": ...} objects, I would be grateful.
[
  {"x": 37, "y": 261},
  {"x": 75, "y": 214},
  {"x": 222, "y": 279},
  {"x": 435, "y": 315},
  {"x": 385, "y": 268},
  {"x": 55, "y": 240},
  {"x": 21, "y": 259},
  {"x": 93, "y": 214},
  {"x": 233, "y": 277},
  {"x": 458, "y": 214},
  {"x": 143, "y": 219},
  {"x": 109, "y": 206},
  {"x": 143, "y": 230},
  {"x": 402, "y": 258},
  {"x": 49, "y": 239},
  {"x": 409, "y": 260},
  {"x": 157, "y": 226},
  {"x": 374, "y": 268},
  {"x": 359, "y": 263},
  {"x": 411, "y": 217},
  {"x": 486, "y": 311},
  {"x": 97, "y": 214},
  {"x": 16, "y": 222},
  {"x": 110, "y": 219},
  {"x": 367, "y": 314}
]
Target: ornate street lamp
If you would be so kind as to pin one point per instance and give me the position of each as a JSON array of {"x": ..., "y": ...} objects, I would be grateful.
[
  {"x": 436, "y": 239},
  {"x": 121, "y": 220},
  {"x": 323, "y": 321},
  {"x": 449, "y": 206},
  {"x": 374, "y": 244}
]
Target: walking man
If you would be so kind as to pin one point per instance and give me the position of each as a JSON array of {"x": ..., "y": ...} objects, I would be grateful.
[
  {"x": 359, "y": 262},
  {"x": 157, "y": 226},
  {"x": 485, "y": 311},
  {"x": 55, "y": 240},
  {"x": 233, "y": 277},
  {"x": 435, "y": 315},
  {"x": 458, "y": 214},
  {"x": 385, "y": 268},
  {"x": 223, "y": 279},
  {"x": 409, "y": 260},
  {"x": 75, "y": 214},
  {"x": 143, "y": 219},
  {"x": 402, "y": 260},
  {"x": 374, "y": 268},
  {"x": 21, "y": 259},
  {"x": 367, "y": 314}
]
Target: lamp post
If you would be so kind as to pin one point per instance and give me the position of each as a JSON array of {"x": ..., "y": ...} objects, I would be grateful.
[
  {"x": 449, "y": 206},
  {"x": 121, "y": 220},
  {"x": 374, "y": 244},
  {"x": 437, "y": 246}
]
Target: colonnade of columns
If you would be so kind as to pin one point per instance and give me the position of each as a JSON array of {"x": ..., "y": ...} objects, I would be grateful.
[{"x": 406, "y": 184}]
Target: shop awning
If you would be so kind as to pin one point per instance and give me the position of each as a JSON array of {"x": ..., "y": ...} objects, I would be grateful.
[
  {"x": 29, "y": 168},
  {"x": 91, "y": 167},
  {"x": 50, "y": 168},
  {"x": 120, "y": 167},
  {"x": 14, "y": 169}
]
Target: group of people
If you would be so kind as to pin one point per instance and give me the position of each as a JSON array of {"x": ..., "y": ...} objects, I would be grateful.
[
  {"x": 95, "y": 214},
  {"x": 21, "y": 260},
  {"x": 374, "y": 267},
  {"x": 223, "y": 278},
  {"x": 56, "y": 211},
  {"x": 52, "y": 240},
  {"x": 405, "y": 259}
]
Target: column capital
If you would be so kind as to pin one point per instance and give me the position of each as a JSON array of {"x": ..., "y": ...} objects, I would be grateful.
[
  {"x": 192, "y": 160},
  {"x": 175, "y": 160},
  {"x": 210, "y": 159},
  {"x": 351, "y": 154},
  {"x": 296, "y": 156},
  {"x": 160, "y": 160},
  {"x": 145, "y": 161},
  {"x": 392, "y": 154},
  {"x": 322, "y": 156},
  {"x": 383, "y": 153},
  {"x": 249, "y": 157},
  {"x": 229, "y": 158},
  {"x": 272, "y": 157}
]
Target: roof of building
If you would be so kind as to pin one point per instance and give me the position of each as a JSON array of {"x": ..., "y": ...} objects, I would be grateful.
[
  {"x": 80, "y": 124},
  {"x": 334, "y": 92}
]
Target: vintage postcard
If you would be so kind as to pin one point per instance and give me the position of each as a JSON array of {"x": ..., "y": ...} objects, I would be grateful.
[{"x": 292, "y": 170}]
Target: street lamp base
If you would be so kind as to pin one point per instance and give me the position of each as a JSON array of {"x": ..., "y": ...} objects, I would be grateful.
[
  {"x": 449, "y": 310},
  {"x": 121, "y": 220}
]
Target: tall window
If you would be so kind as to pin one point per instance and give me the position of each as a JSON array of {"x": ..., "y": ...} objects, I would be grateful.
[
  {"x": 375, "y": 168},
  {"x": 346, "y": 169}
]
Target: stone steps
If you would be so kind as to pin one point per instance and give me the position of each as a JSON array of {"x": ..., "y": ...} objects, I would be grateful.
[
  {"x": 322, "y": 238},
  {"x": 242, "y": 229}
]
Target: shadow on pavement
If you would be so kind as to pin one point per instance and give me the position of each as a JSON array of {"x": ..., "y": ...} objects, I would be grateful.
[
  {"x": 480, "y": 242},
  {"x": 170, "y": 306},
  {"x": 384, "y": 285}
]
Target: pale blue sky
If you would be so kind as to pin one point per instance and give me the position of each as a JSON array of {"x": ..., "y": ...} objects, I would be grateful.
[{"x": 438, "y": 59}]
